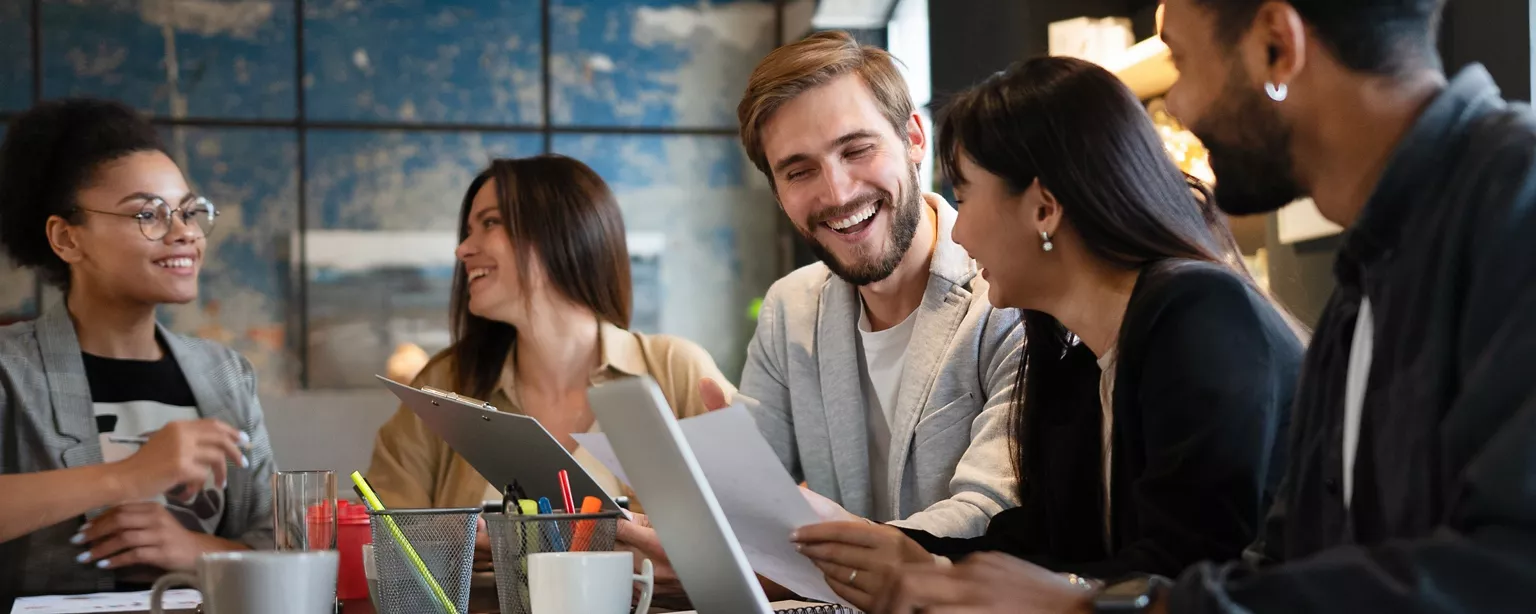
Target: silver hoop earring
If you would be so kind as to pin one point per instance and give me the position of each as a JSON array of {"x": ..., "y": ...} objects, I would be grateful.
[
  {"x": 1276, "y": 92},
  {"x": 1045, "y": 241}
]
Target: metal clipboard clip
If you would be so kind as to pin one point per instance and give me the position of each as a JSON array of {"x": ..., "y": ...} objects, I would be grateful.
[{"x": 458, "y": 397}]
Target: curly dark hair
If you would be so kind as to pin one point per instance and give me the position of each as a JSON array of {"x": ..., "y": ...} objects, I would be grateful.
[{"x": 50, "y": 153}]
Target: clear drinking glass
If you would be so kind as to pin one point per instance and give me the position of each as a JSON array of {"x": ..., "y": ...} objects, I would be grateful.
[{"x": 304, "y": 509}]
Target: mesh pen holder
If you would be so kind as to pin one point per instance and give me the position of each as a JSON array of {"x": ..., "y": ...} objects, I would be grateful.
[
  {"x": 438, "y": 542},
  {"x": 515, "y": 536}
]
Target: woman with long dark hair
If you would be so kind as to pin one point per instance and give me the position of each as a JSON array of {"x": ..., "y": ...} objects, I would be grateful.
[
  {"x": 1149, "y": 417},
  {"x": 540, "y": 312},
  {"x": 126, "y": 450}
]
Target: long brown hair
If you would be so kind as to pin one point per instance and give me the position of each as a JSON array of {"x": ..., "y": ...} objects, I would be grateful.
[
  {"x": 558, "y": 210},
  {"x": 1081, "y": 132}
]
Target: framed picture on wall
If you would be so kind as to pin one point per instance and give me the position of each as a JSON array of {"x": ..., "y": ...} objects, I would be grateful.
[{"x": 370, "y": 292}]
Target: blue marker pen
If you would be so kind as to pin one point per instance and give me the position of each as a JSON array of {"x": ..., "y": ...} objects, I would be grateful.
[{"x": 554, "y": 534}]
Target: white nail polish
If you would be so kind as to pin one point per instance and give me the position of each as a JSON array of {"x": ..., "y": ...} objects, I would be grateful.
[
  {"x": 84, "y": 556},
  {"x": 245, "y": 439},
  {"x": 244, "y": 462},
  {"x": 78, "y": 539},
  {"x": 102, "y": 564}
]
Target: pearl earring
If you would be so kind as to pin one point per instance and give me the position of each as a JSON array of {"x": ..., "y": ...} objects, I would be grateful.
[
  {"x": 1276, "y": 92},
  {"x": 1045, "y": 239}
]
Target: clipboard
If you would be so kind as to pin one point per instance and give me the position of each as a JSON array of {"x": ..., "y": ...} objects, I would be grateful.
[{"x": 504, "y": 448}]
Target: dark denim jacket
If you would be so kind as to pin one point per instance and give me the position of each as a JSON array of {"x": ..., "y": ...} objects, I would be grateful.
[{"x": 1444, "y": 508}]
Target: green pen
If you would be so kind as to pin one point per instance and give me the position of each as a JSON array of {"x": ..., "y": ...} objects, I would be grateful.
[{"x": 372, "y": 499}]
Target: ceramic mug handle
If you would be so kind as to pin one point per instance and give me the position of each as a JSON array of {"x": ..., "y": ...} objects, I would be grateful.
[
  {"x": 647, "y": 576},
  {"x": 169, "y": 580}
]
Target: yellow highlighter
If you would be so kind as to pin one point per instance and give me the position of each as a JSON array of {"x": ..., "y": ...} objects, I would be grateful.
[
  {"x": 529, "y": 530},
  {"x": 372, "y": 500}
]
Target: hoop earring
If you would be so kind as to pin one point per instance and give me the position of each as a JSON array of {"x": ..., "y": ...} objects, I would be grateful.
[
  {"x": 1045, "y": 241},
  {"x": 1277, "y": 93}
]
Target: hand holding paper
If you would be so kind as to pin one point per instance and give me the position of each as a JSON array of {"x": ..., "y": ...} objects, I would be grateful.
[
  {"x": 859, "y": 557},
  {"x": 761, "y": 501}
]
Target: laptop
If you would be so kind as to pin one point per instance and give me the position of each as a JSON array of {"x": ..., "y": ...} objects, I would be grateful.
[
  {"x": 505, "y": 448},
  {"x": 678, "y": 501}
]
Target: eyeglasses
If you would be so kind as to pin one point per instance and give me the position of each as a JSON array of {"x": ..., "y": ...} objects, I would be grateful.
[{"x": 156, "y": 215}]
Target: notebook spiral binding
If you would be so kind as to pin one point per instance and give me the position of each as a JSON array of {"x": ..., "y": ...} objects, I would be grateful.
[{"x": 830, "y": 608}]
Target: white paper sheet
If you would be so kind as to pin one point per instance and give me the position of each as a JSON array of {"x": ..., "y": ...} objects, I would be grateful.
[
  {"x": 826, "y": 509},
  {"x": 597, "y": 445},
  {"x": 177, "y": 599},
  {"x": 761, "y": 502}
]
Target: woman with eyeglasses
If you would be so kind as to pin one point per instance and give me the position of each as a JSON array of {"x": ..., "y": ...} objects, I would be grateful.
[{"x": 125, "y": 450}]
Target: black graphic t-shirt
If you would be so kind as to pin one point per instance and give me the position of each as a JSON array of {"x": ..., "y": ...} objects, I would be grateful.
[{"x": 135, "y": 398}]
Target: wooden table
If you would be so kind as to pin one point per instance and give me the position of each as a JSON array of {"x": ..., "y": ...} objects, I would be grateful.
[{"x": 482, "y": 600}]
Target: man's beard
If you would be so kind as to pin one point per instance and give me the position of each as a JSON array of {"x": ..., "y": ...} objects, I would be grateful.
[
  {"x": 1250, "y": 150},
  {"x": 905, "y": 214}
]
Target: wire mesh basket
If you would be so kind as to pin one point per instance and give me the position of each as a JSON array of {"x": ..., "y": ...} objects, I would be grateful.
[
  {"x": 515, "y": 536},
  {"x": 424, "y": 559}
]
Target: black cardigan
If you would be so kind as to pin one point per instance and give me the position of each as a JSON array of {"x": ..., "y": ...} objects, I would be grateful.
[{"x": 1205, "y": 372}]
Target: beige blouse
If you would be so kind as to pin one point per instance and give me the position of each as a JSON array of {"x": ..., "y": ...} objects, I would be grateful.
[
  {"x": 1107, "y": 405},
  {"x": 413, "y": 468}
]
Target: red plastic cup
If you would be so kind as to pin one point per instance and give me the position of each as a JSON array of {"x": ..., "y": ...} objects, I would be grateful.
[
  {"x": 322, "y": 526},
  {"x": 351, "y": 533}
]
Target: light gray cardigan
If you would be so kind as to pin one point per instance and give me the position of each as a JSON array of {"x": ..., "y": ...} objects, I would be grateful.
[
  {"x": 950, "y": 464},
  {"x": 47, "y": 423}
]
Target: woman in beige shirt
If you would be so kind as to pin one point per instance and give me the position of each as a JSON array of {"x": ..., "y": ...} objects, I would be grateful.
[{"x": 540, "y": 309}]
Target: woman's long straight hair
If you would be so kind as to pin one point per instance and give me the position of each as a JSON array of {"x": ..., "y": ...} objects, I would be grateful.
[
  {"x": 558, "y": 210},
  {"x": 1082, "y": 133}
]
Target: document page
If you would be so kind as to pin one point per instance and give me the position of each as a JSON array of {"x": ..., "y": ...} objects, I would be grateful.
[
  {"x": 759, "y": 499},
  {"x": 177, "y": 599}
]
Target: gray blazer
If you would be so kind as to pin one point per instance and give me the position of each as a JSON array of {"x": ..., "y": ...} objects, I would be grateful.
[
  {"x": 47, "y": 423},
  {"x": 950, "y": 464}
]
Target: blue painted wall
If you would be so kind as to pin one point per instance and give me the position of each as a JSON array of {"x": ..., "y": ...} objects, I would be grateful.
[{"x": 406, "y": 67}]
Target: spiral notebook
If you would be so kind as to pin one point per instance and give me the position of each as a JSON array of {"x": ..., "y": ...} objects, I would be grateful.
[
  {"x": 812, "y": 608},
  {"x": 803, "y": 607}
]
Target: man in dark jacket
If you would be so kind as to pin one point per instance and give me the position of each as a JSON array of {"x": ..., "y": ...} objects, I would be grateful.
[{"x": 1412, "y": 481}]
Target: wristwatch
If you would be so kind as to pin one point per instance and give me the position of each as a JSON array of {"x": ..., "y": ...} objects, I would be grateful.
[{"x": 1130, "y": 595}]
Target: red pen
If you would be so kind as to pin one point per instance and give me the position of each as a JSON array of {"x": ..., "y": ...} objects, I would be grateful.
[{"x": 565, "y": 491}]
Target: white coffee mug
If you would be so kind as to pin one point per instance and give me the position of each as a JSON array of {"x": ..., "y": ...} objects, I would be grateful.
[
  {"x": 302, "y": 582},
  {"x": 587, "y": 582}
]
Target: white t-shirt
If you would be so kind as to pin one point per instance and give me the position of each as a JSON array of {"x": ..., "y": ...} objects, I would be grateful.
[
  {"x": 882, "y": 355},
  {"x": 135, "y": 398},
  {"x": 1361, "y": 350}
]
